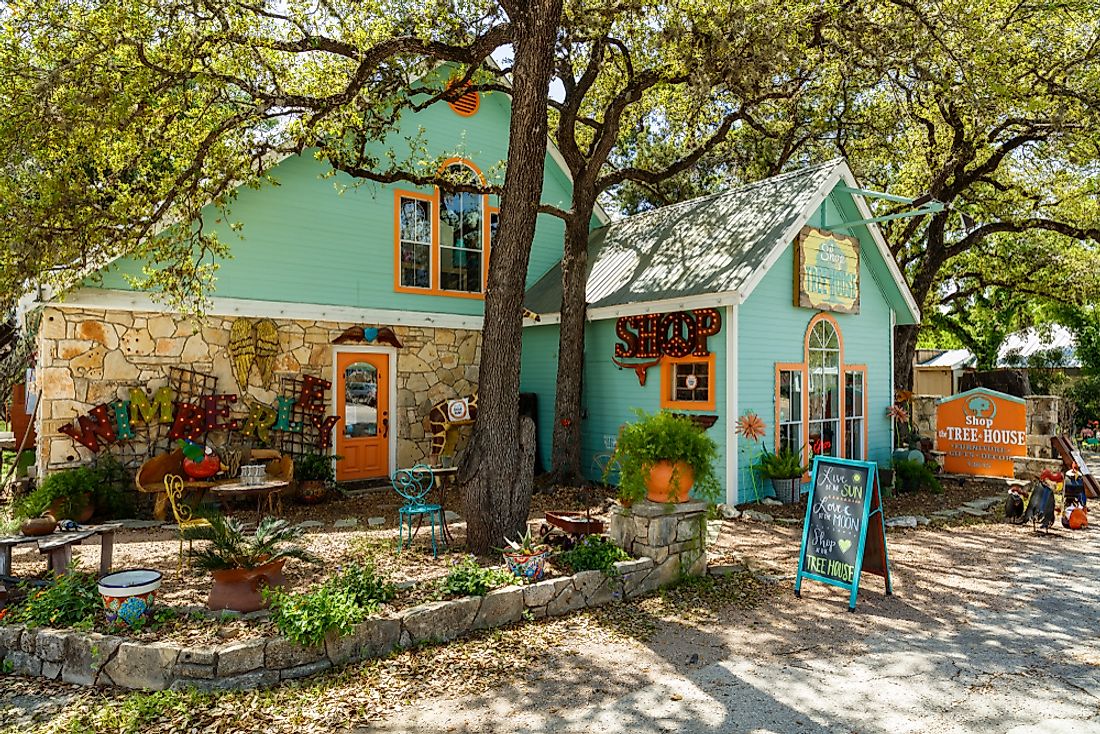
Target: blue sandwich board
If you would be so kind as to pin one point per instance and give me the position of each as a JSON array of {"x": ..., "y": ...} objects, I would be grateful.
[{"x": 844, "y": 533}]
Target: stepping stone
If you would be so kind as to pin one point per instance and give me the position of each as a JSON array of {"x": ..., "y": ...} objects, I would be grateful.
[
  {"x": 922, "y": 520},
  {"x": 948, "y": 514},
  {"x": 974, "y": 512},
  {"x": 132, "y": 524},
  {"x": 905, "y": 521},
  {"x": 729, "y": 512},
  {"x": 311, "y": 524},
  {"x": 984, "y": 503},
  {"x": 349, "y": 522},
  {"x": 770, "y": 501},
  {"x": 757, "y": 516},
  {"x": 451, "y": 516},
  {"x": 376, "y": 522},
  {"x": 789, "y": 521}
]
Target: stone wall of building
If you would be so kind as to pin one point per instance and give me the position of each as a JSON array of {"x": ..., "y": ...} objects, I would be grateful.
[{"x": 90, "y": 356}]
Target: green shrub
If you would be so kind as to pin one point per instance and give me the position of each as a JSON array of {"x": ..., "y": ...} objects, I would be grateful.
[
  {"x": 72, "y": 486},
  {"x": 783, "y": 464},
  {"x": 71, "y": 600},
  {"x": 593, "y": 553},
  {"x": 336, "y": 606},
  {"x": 663, "y": 436},
  {"x": 909, "y": 476},
  {"x": 467, "y": 578}
]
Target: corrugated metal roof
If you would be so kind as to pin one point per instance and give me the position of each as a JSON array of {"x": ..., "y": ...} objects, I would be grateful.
[
  {"x": 953, "y": 358},
  {"x": 712, "y": 244},
  {"x": 1023, "y": 344}
]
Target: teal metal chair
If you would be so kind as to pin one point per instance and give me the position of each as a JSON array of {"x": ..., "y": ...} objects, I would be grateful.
[{"x": 413, "y": 485}]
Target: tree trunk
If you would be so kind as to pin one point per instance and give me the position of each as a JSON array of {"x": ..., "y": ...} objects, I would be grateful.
[
  {"x": 905, "y": 350},
  {"x": 566, "y": 459},
  {"x": 497, "y": 487}
]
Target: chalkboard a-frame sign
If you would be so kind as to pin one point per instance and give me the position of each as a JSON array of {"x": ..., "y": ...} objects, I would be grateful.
[{"x": 844, "y": 533}]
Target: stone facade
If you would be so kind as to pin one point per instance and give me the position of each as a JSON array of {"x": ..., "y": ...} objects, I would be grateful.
[
  {"x": 672, "y": 536},
  {"x": 93, "y": 659},
  {"x": 88, "y": 356}
]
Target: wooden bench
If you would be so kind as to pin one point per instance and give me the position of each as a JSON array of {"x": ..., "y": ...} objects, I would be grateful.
[{"x": 58, "y": 547}]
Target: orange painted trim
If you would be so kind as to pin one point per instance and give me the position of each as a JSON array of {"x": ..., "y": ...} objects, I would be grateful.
[
  {"x": 866, "y": 426},
  {"x": 464, "y": 95},
  {"x": 666, "y": 383},
  {"x": 800, "y": 368},
  {"x": 465, "y": 162},
  {"x": 433, "y": 204}
]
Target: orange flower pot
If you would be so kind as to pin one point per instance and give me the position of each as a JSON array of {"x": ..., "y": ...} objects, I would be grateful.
[{"x": 668, "y": 482}]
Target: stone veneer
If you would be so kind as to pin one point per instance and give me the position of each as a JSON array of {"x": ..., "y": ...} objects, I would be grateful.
[
  {"x": 672, "y": 535},
  {"x": 88, "y": 356},
  {"x": 93, "y": 659}
]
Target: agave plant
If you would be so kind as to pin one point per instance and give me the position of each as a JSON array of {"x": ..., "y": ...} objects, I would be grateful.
[{"x": 231, "y": 547}]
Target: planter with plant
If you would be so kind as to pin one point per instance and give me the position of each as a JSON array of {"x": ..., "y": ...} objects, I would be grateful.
[
  {"x": 662, "y": 457},
  {"x": 315, "y": 472},
  {"x": 63, "y": 495},
  {"x": 785, "y": 470},
  {"x": 910, "y": 476},
  {"x": 526, "y": 557},
  {"x": 242, "y": 563}
]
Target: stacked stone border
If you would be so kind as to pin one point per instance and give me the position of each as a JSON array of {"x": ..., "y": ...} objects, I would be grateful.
[{"x": 93, "y": 659}]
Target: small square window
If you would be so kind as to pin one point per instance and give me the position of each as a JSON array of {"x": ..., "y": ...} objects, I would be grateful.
[{"x": 688, "y": 384}]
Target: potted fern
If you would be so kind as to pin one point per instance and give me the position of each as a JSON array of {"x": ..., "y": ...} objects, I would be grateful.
[
  {"x": 243, "y": 564},
  {"x": 662, "y": 457},
  {"x": 315, "y": 473},
  {"x": 785, "y": 470}
]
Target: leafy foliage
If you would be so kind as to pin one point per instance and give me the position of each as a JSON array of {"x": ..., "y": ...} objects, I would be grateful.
[
  {"x": 334, "y": 606},
  {"x": 527, "y": 544},
  {"x": 663, "y": 436},
  {"x": 71, "y": 600},
  {"x": 316, "y": 468},
  {"x": 468, "y": 578},
  {"x": 1084, "y": 392},
  {"x": 593, "y": 553},
  {"x": 910, "y": 476},
  {"x": 73, "y": 486},
  {"x": 231, "y": 547},
  {"x": 783, "y": 464}
]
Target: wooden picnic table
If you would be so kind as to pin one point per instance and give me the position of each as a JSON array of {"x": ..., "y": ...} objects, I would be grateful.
[
  {"x": 270, "y": 490},
  {"x": 58, "y": 547}
]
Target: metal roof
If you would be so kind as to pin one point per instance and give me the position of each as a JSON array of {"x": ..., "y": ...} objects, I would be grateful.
[
  {"x": 952, "y": 358},
  {"x": 1022, "y": 344},
  {"x": 709, "y": 245}
]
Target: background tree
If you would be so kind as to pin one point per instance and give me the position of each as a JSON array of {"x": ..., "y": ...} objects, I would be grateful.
[
  {"x": 122, "y": 121},
  {"x": 649, "y": 89}
]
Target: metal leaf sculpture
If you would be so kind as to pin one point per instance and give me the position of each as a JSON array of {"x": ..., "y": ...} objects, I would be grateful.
[
  {"x": 242, "y": 348},
  {"x": 267, "y": 348}
]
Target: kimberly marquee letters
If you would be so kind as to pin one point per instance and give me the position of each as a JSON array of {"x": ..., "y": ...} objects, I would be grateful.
[{"x": 109, "y": 423}]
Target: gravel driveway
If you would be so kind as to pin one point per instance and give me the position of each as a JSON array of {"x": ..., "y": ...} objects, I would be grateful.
[{"x": 992, "y": 630}]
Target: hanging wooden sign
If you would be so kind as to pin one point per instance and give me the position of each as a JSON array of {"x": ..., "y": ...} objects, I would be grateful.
[
  {"x": 844, "y": 533},
  {"x": 826, "y": 271}
]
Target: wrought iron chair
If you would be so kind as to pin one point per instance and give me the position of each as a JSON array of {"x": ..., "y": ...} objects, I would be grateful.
[
  {"x": 188, "y": 524},
  {"x": 413, "y": 485}
]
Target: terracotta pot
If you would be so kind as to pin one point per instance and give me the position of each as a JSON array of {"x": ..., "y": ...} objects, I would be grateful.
[
  {"x": 311, "y": 492},
  {"x": 241, "y": 589},
  {"x": 83, "y": 513},
  {"x": 659, "y": 484},
  {"x": 38, "y": 526}
]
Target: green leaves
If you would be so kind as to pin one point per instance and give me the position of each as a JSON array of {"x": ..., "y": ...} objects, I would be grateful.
[
  {"x": 335, "y": 606},
  {"x": 468, "y": 578},
  {"x": 665, "y": 436}
]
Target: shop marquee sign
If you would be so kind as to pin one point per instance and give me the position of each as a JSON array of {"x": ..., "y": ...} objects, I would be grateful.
[
  {"x": 110, "y": 423},
  {"x": 826, "y": 271}
]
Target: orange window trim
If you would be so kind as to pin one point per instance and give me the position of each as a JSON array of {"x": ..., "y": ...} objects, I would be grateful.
[
  {"x": 436, "y": 253},
  {"x": 667, "y": 371},
  {"x": 800, "y": 368},
  {"x": 861, "y": 368}
]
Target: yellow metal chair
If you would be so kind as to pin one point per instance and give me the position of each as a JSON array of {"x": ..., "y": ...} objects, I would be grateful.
[{"x": 173, "y": 487}]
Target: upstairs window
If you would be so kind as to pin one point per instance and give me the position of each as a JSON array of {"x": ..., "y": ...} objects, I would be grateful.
[{"x": 443, "y": 238}]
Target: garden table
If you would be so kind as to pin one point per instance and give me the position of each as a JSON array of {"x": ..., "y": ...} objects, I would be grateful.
[{"x": 271, "y": 491}]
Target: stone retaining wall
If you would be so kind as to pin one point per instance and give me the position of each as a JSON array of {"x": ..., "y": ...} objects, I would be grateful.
[
  {"x": 92, "y": 659},
  {"x": 88, "y": 356}
]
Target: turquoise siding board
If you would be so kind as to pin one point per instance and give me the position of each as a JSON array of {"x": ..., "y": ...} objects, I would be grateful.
[
  {"x": 771, "y": 329},
  {"x": 610, "y": 394},
  {"x": 304, "y": 241}
]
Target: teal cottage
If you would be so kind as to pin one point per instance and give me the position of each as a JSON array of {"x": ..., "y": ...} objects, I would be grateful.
[{"x": 775, "y": 298}]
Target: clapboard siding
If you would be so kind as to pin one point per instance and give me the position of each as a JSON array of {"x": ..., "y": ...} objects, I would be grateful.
[
  {"x": 771, "y": 329},
  {"x": 311, "y": 240}
]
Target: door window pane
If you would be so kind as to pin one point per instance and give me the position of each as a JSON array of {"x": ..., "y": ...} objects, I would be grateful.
[
  {"x": 360, "y": 400},
  {"x": 790, "y": 410}
]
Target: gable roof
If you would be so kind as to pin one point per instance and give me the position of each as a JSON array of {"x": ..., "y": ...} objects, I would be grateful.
[{"x": 715, "y": 248}]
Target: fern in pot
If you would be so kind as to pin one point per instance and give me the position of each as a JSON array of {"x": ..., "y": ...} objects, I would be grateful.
[
  {"x": 662, "y": 457},
  {"x": 785, "y": 470}
]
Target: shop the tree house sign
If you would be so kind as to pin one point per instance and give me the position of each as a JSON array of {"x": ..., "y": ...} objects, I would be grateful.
[
  {"x": 826, "y": 271},
  {"x": 652, "y": 336}
]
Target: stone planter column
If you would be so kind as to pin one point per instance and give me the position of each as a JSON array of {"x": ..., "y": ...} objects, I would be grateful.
[
  {"x": 1042, "y": 422},
  {"x": 673, "y": 536},
  {"x": 924, "y": 415}
]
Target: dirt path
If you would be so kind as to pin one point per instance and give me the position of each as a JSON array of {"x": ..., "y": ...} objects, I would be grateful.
[{"x": 991, "y": 630}]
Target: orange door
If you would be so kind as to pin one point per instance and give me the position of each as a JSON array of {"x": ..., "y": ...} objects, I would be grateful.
[{"x": 362, "y": 402}]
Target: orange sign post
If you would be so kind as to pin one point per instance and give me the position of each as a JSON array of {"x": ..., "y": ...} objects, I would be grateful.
[{"x": 980, "y": 431}]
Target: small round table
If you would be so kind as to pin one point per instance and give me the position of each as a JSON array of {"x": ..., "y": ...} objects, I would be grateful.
[{"x": 270, "y": 490}]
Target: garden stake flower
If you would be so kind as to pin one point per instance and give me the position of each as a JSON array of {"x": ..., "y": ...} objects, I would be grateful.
[{"x": 752, "y": 427}]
